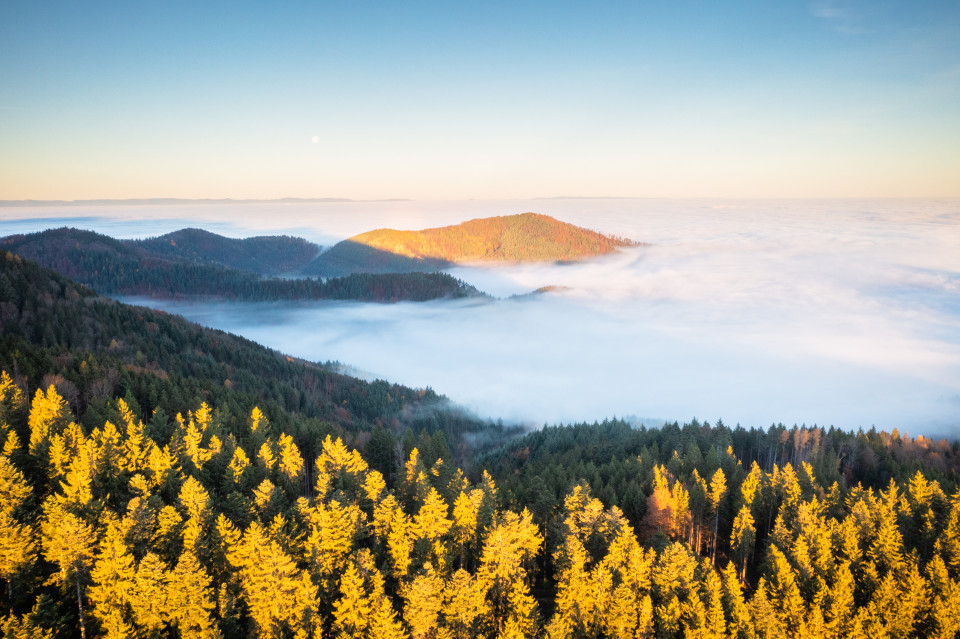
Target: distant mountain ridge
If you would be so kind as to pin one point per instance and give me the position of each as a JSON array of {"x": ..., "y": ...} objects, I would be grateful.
[
  {"x": 192, "y": 262},
  {"x": 384, "y": 264},
  {"x": 60, "y": 249},
  {"x": 526, "y": 237}
]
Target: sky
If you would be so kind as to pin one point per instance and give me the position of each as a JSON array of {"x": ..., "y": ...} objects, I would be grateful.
[{"x": 484, "y": 100}]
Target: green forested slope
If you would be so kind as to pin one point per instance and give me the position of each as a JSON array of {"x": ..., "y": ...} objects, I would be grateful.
[
  {"x": 264, "y": 255},
  {"x": 54, "y": 329},
  {"x": 118, "y": 267}
]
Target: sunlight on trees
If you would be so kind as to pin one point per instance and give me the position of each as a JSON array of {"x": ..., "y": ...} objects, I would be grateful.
[{"x": 225, "y": 530}]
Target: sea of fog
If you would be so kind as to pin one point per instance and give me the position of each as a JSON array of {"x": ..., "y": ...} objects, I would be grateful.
[{"x": 841, "y": 313}]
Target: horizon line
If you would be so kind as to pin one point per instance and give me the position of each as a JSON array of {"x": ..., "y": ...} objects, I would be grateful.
[{"x": 344, "y": 200}]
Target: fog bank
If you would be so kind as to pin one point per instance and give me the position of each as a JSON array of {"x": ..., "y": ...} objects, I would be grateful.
[{"x": 844, "y": 313}]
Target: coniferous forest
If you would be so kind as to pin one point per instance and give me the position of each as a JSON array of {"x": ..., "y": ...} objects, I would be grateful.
[
  {"x": 201, "y": 265},
  {"x": 163, "y": 480}
]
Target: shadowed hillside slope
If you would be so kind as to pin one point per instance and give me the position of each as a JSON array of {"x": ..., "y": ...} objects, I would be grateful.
[
  {"x": 265, "y": 255},
  {"x": 349, "y": 257}
]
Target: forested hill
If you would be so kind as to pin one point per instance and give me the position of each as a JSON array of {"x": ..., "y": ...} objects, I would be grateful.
[
  {"x": 182, "y": 264},
  {"x": 55, "y": 330},
  {"x": 265, "y": 255},
  {"x": 528, "y": 237}
]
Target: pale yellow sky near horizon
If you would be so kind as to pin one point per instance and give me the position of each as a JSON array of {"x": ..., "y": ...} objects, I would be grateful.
[{"x": 840, "y": 98}]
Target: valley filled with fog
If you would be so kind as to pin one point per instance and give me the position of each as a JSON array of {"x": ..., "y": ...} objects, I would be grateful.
[{"x": 841, "y": 313}]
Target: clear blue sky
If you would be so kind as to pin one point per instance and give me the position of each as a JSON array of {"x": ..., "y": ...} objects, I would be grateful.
[{"x": 479, "y": 99}]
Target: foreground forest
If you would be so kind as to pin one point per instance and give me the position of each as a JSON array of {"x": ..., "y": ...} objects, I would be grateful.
[
  {"x": 161, "y": 479},
  {"x": 200, "y": 529}
]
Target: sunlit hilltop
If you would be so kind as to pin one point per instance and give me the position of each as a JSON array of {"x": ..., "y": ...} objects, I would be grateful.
[{"x": 527, "y": 237}]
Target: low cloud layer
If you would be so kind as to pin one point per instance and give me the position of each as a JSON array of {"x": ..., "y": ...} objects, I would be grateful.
[{"x": 843, "y": 313}]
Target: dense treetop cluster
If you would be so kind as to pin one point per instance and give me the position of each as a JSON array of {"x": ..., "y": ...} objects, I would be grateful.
[{"x": 222, "y": 530}]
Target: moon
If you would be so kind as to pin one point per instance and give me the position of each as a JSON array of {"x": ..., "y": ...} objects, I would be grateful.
[{"x": 316, "y": 139}]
